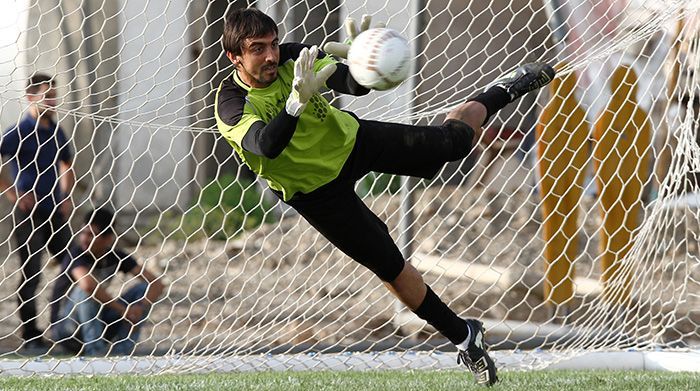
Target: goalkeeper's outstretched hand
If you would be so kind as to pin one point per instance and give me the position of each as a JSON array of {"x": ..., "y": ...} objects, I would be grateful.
[
  {"x": 341, "y": 49},
  {"x": 306, "y": 82}
]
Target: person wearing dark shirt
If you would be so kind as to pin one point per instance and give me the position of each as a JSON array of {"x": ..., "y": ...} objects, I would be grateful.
[
  {"x": 102, "y": 323},
  {"x": 39, "y": 156},
  {"x": 311, "y": 154}
]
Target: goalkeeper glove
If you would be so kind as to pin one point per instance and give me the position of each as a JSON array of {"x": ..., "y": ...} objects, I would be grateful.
[
  {"x": 306, "y": 82},
  {"x": 341, "y": 49}
]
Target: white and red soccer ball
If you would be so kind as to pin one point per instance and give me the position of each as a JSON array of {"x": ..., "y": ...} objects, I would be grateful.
[{"x": 379, "y": 58}]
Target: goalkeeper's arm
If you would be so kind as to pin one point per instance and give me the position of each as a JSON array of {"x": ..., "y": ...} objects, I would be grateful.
[
  {"x": 342, "y": 81},
  {"x": 269, "y": 140}
]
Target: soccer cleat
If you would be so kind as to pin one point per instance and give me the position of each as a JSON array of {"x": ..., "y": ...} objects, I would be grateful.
[
  {"x": 525, "y": 78},
  {"x": 476, "y": 358}
]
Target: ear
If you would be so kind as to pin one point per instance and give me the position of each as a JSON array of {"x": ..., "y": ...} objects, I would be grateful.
[{"x": 233, "y": 58}]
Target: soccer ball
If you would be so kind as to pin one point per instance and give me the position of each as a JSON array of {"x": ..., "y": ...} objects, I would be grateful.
[{"x": 379, "y": 58}]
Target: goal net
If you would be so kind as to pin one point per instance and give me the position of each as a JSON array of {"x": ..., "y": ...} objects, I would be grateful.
[{"x": 571, "y": 228}]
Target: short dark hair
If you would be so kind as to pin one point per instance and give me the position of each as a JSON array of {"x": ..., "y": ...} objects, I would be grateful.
[
  {"x": 101, "y": 218},
  {"x": 36, "y": 81},
  {"x": 244, "y": 23}
]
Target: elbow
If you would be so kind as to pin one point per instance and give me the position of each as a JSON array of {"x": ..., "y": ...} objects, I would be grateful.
[
  {"x": 269, "y": 148},
  {"x": 361, "y": 91},
  {"x": 272, "y": 153},
  {"x": 356, "y": 88}
]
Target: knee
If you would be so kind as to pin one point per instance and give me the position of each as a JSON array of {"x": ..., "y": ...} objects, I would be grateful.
[
  {"x": 85, "y": 307},
  {"x": 461, "y": 138},
  {"x": 388, "y": 273},
  {"x": 389, "y": 268}
]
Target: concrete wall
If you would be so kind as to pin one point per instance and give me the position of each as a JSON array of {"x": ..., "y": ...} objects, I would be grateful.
[
  {"x": 212, "y": 154},
  {"x": 151, "y": 145}
]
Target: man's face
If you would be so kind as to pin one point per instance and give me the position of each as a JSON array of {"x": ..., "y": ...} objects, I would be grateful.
[
  {"x": 257, "y": 64},
  {"x": 92, "y": 241},
  {"x": 44, "y": 99}
]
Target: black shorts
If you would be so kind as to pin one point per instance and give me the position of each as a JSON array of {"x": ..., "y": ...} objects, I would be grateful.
[{"x": 339, "y": 214}]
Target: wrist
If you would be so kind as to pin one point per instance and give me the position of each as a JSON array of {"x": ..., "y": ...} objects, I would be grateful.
[{"x": 294, "y": 107}]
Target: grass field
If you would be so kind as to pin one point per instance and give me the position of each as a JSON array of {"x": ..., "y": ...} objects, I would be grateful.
[{"x": 384, "y": 380}]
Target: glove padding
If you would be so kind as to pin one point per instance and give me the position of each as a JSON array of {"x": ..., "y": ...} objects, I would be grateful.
[
  {"x": 341, "y": 49},
  {"x": 306, "y": 82}
]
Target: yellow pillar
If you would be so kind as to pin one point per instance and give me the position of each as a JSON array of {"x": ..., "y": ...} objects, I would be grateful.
[
  {"x": 623, "y": 139},
  {"x": 562, "y": 134}
]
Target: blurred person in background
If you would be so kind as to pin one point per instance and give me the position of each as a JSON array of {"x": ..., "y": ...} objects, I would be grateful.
[
  {"x": 40, "y": 159},
  {"x": 93, "y": 322}
]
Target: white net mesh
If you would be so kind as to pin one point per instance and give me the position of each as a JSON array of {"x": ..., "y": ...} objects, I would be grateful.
[{"x": 573, "y": 227}]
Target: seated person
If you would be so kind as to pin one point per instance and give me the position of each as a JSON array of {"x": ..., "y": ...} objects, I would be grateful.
[{"x": 92, "y": 321}]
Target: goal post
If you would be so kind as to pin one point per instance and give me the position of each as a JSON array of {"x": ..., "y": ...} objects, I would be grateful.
[{"x": 570, "y": 230}]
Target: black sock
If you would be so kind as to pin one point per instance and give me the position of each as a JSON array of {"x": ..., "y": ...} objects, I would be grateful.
[
  {"x": 495, "y": 98},
  {"x": 438, "y": 315}
]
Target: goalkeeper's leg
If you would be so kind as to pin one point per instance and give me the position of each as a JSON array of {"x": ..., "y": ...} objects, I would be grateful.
[
  {"x": 340, "y": 216},
  {"x": 422, "y": 151},
  {"x": 466, "y": 334},
  {"x": 478, "y": 110}
]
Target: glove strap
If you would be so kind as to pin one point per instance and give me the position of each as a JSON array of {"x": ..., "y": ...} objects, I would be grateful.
[{"x": 293, "y": 106}]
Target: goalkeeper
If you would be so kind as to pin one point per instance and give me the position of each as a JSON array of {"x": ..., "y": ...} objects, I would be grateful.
[{"x": 311, "y": 154}]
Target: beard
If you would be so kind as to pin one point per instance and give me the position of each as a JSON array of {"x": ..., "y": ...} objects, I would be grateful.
[{"x": 266, "y": 75}]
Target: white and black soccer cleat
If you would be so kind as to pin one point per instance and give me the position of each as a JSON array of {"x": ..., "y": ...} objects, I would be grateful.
[
  {"x": 476, "y": 357},
  {"x": 525, "y": 78}
]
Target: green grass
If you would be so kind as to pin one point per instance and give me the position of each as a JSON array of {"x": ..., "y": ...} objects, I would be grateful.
[{"x": 351, "y": 381}]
